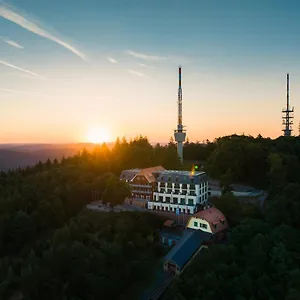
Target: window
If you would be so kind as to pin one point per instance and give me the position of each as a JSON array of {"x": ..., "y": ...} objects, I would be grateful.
[
  {"x": 203, "y": 225},
  {"x": 192, "y": 180},
  {"x": 176, "y": 179},
  {"x": 168, "y": 199},
  {"x": 184, "y": 186},
  {"x": 161, "y": 198},
  {"x": 175, "y": 200},
  {"x": 195, "y": 224},
  {"x": 169, "y": 179},
  {"x": 191, "y": 202},
  {"x": 182, "y": 201}
]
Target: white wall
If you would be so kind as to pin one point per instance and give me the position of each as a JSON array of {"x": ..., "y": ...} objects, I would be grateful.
[{"x": 191, "y": 225}]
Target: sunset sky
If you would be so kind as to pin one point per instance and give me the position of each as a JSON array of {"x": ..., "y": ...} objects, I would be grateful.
[{"x": 67, "y": 67}]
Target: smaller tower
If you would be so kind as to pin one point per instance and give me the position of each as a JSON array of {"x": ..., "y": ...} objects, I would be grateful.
[{"x": 288, "y": 112}]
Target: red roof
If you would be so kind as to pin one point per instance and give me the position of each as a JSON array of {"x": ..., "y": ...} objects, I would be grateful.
[{"x": 214, "y": 217}]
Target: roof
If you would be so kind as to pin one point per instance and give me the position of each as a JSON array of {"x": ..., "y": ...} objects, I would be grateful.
[
  {"x": 129, "y": 174},
  {"x": 169, "y": 223},
  {"x": 173, "y": 233},
  {"x": 213, "y": 216},
  {"x": 216, "y": 185},
  {"x": 241, "y": 188},
  {"x": 185, "y": 177},
  {"x": 179, "y": 172},
  {"x": 148, "y": 172},
  {"x": 190, "y": 242}
]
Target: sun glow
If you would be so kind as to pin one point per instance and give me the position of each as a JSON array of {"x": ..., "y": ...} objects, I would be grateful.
[{"x": 98, "y": 135}]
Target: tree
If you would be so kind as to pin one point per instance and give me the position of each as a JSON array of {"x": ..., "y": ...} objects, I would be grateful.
[
  {"x": 277, "y": 172},
  {"x": 116, "y": 191},
  {"x": 229, "y": 205}
]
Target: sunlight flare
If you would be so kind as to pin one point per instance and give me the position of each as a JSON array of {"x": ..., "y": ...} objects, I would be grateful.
[{"x": 98, "y": 135}]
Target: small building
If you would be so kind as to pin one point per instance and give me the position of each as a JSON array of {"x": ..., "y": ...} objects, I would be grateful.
[
  {"x": 245, "y": 193},
  {"x": 171, "y": 233},
  {"x": 189, "y": 245},
  {"x": 141, "y": 182},
  {"x": 209, "y": 220},
  {"x": 180, "y": 191}
]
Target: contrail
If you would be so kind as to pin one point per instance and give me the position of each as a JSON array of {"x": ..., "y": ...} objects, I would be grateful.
[
  {"x": 28, "y": 24},
  {"x": 21, "y": 69},
  {"x": 18, "y": 92},
  {"x": 11, "y": 42}
]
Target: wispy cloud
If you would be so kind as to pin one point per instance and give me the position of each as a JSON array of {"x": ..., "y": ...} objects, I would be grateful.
[
  {"x": 171, "y": 58},
  {"x": 112, "y": 60},
  {"x": 21, "y": 69},
  {"x": 145, "y": 56},
  {"x": 133, "y": 72},
  {"x": 9, "y": 14},
  {"x": 12, "y": 43},
  {"x": 17, "y": 92},
  {"x": 146, "y": 66},
  {"x": 23, "y": 75}
]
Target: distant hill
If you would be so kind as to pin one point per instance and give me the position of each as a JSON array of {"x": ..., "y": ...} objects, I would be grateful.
[{"x": 13, "y": 156}]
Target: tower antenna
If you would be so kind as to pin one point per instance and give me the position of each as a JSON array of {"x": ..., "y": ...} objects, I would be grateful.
[
  {"x": 180, "y": 133},
  {"x": 288, "y": 112}
]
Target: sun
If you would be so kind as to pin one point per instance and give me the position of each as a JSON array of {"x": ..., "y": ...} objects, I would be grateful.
[{"x": 98, "y": 135}]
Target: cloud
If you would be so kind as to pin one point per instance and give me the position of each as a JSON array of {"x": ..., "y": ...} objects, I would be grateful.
[
  {"x": 21, "y": 69},
  {"x": 23, "y": 75},
  {"x": 12, "y": 43},
  {"x": 146, "y": 66},
  {"x": 171, "y": 58},
  {"x": 145, "y": 56},
  {"x": 112, "y": 60},
  {"x": 18, "y": 92},
  {"x": 8, "y": 14},
  {"x": 136, "y": 73}
]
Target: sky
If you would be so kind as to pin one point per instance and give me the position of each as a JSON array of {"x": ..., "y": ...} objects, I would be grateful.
[{"x": 71, "y": 67}]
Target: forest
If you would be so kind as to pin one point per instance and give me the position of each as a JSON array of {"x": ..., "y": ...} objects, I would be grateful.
[
  {"x": 51, "y": 247},
  {"x": 262, "y": 257}
]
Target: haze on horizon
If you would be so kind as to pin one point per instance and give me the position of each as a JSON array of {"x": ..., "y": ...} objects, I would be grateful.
[{"x": 67, "y": 67}]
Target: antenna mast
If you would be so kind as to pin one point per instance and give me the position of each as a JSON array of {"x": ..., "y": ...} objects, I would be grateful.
[
  {"x": 288, "y": 113},
  {"x": 179, "y": 133}
]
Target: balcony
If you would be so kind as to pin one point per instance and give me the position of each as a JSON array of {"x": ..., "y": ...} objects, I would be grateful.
[
  {"x": 141, "y": 186},
  {"x": 141, "y": 192}
]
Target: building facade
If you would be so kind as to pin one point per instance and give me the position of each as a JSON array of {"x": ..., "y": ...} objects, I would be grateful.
[
  {"x": 181, "y": 191},
  {"x": 142, "y": 183}
]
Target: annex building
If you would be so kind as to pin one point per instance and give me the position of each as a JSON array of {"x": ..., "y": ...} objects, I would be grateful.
[
  {"x": 142, "y": 183},
  {"x": 203, "y": 228}
]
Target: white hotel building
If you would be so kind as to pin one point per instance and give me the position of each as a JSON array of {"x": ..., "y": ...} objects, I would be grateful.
[{"x": 179, "y": 189}]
